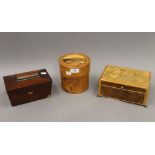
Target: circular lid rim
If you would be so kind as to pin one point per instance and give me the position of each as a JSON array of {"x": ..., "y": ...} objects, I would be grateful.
[{"x": 87, "y": 60}]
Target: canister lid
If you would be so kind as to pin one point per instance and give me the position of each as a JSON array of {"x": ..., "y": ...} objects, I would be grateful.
[{"x": 74, "y": 59}]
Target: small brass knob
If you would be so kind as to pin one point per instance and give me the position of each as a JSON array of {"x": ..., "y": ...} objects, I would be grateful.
[{"x": 30, "y": 92}]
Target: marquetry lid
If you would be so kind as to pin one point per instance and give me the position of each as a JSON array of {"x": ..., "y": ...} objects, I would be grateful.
[
  {"x": 126, "y": 76},
  {"x": 74, "y": 60}
]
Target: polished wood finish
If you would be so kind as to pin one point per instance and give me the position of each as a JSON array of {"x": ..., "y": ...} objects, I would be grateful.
[
  {"x": 125, "y": 84},
  {"x": 74, "y": 70},
  {"x": 27, "y": 87}
]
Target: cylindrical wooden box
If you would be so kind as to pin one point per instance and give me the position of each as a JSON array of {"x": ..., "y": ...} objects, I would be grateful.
[{"x": 74, "y": 70}]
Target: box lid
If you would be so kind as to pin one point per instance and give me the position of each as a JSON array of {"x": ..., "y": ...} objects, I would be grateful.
[
  {"x": 26, "y": 79},
  {"x": 126, "y": 76},
  {"x": 73, "y": 60}
]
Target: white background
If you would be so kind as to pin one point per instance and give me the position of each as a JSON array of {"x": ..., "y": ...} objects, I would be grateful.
[{"x": 77, "y": 138}]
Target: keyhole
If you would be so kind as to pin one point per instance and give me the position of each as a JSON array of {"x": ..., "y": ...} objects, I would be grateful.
[{"x": 30, "y": 92}]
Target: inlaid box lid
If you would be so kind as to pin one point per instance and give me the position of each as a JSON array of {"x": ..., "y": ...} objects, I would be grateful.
[
  {"x": 126, "y": 76},
  {"x": 26, "y": 79}
]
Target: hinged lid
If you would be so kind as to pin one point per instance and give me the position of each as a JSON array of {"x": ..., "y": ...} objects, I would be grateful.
[
  {"x": 22, "y": 80},
  {"x": 126, "y": 78}
]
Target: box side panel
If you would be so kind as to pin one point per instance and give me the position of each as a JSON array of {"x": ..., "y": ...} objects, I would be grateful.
[
  {"x": 75, "y": 85},
  {"x": 29, "y": 94},
  {"x": 123, "y": 94}
]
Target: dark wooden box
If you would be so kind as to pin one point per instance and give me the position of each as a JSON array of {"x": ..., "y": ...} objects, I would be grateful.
[{"x": 29, "y": 86}]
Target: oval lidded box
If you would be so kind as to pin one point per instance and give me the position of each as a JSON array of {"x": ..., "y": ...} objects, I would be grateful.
[{"x": 74, "y": 70}]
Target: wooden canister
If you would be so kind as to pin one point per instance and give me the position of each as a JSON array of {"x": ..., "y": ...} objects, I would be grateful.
[{"x": 74, "y": 70}]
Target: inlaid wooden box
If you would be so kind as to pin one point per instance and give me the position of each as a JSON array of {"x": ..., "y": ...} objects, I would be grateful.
[
  {"x": 74, "y": 71},
  {"x": 125, "y": 84},
  {"x": 27, "y": 87}
]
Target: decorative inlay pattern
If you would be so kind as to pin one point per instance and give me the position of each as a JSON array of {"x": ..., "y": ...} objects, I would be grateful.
[{"x": 126, "y": 76}]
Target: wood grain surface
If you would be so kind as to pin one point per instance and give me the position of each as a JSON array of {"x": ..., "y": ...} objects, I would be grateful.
[{"x": 74, "y": 70}]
